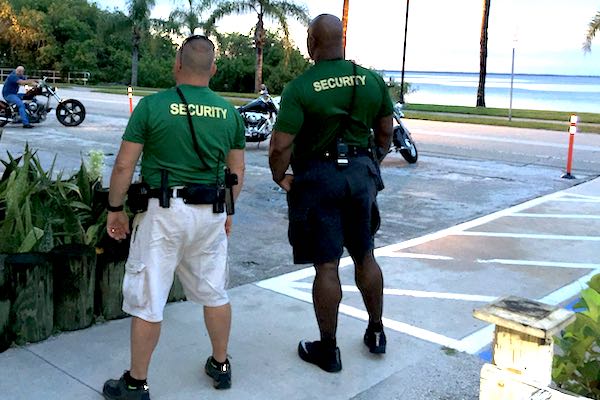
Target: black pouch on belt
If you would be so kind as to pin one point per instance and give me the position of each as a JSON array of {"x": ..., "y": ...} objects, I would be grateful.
[
  {"x": 200, "y": 194},
  {"x": 137, "y": 197}
]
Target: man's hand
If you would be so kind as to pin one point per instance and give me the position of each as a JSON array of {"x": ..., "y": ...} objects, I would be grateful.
[
  {"x": 286, "y": 182},
  {"x": 117, "y": 225},
  {"x": 228, "y": 224}
]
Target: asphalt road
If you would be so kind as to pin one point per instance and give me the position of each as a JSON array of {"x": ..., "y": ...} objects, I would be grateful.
[{"x": 464, "y": 171}]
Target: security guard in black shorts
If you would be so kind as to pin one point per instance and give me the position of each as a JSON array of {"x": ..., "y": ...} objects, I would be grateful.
[{"x": 323, "y": 131}]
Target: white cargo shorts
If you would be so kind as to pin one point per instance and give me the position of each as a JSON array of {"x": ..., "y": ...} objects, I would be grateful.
[{"x": 189, "y": 240}]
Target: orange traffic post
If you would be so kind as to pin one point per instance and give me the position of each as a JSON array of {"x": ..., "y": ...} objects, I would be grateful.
[
  {"x": 572, "y": 131},
  {"x": 130, "y": 95}
]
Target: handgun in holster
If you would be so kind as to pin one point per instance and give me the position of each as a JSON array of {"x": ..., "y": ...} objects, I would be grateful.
[{"x": 230, "y": 181}]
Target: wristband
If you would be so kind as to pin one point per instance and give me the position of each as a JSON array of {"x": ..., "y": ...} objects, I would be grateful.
[{"x": 114, "y": 208}]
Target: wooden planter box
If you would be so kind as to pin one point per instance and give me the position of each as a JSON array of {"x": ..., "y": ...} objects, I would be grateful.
[{"x": 74, "y": 284}]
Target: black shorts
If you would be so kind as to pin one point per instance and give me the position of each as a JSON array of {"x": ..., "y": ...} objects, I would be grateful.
[{"x": 330, "y": 208}]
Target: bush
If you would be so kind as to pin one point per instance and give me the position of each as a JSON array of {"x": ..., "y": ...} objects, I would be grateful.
[{"x": 577, "y": 369}]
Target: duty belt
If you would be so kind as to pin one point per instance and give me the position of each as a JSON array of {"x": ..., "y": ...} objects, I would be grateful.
[{"x": 353, "y": 151}]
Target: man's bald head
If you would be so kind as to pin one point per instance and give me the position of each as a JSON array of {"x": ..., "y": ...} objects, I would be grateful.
[
  {"x": 325, "y": 37},
  {"x": 197, "y": 56},
  {"x": 20, "y": 70}
]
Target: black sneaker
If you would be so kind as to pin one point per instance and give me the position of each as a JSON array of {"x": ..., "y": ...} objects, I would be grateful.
[
  {"x": 327, "y": 359},
  {"x": 221, "y": 375},
  {"x": 117, "y": 389},
  {"x": 375, "y": 341},
  {"x": 28, "y": 126}
]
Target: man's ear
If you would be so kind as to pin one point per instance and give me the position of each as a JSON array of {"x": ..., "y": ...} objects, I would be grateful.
[{"x": 213, "y": 69}]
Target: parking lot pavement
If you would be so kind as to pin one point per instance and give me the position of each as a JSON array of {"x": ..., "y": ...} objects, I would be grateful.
[{"x": 544, "y": 249}]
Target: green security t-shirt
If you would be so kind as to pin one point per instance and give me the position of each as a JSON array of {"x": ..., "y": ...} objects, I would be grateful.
[
  {"x": 313, "y": 106},
  {"x": 160, "y": 123}
]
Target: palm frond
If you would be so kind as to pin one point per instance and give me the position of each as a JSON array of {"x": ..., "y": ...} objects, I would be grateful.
[{"x": 593, "y": 27}]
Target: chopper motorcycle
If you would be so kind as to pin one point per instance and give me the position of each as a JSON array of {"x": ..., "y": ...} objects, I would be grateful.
[
  {"x": 402, "y": 140},
  {"x": 259, "y": 117},
  {"x": 69, "y": 112}
]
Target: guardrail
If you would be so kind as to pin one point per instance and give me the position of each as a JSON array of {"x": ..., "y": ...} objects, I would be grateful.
[{"x": 53, "y": 76}]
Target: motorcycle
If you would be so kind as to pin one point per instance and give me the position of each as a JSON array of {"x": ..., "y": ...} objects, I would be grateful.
[
  {"x": 402, "y": 139},
  {"x": 259, "y": 117},
  {"x": 69, "y": 112}
]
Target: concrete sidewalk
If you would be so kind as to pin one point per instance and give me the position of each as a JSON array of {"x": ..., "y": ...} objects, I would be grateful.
[{"x": 432, "y": 285}]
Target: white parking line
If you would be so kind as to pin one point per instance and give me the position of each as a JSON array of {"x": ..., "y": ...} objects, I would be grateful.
[
  {"x": 289, "y": 284},
  {"x": 529, "y": 236},
  {"x": 565, "y": 216},
  {"x": 408, "y": 293},
  {"x": 531, "y": 263}
]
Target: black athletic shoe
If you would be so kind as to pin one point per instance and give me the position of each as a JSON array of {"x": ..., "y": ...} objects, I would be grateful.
[
  {"x": 28, "y": 126},
  {"x": 328, "y": 360},
  {"x": 221, "y": 375},
  {"x": 375, "y": 341},
  {"x": 117, "y": 389}
]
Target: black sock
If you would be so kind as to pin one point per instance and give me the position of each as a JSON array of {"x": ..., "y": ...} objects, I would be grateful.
[
  {"x": 216, "y": 363},
  {"x": 137, "y": 383},
  {"x": 328, "y": 343},
  {"x": 375, "y": 326}
]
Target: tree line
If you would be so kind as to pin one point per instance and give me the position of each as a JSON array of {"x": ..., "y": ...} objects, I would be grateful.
[{"x": 131, "y": 48}]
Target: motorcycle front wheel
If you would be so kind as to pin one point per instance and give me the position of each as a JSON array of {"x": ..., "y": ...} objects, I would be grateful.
[
  {"x": 408, "y": 149},
  {"x": 70, "y": 112}
]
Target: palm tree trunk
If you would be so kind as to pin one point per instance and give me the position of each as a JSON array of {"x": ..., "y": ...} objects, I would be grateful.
[
  {"x": 135, "y": 53},
  {"x": 483, "y": 54},
  {"x": 345, "y": 19},
  {"x": 259, "y": 42}
]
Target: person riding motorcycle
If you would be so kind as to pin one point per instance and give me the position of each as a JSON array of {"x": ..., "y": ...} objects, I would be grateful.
[{"x": 10, "y": 92}]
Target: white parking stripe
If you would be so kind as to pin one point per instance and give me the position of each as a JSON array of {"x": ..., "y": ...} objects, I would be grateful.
[
  {"x": 565, "y": 216},
  {"x": 288, "y": 284},
  {"x": 531, "y": 263},
  {"x": 529, "y": 236},
  {"x": 400, "y": 254},
  {"x": 408, "y": 293},
  {"x": 573, "y": 200}
]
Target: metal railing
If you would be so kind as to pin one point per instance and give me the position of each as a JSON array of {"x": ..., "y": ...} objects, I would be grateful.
[{"x": 81, "y": 77}]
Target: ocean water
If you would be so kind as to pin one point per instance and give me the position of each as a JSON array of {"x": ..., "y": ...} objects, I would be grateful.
[{"x": 536, "y": 92}]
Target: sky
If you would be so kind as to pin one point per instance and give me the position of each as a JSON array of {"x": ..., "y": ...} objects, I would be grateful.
[{"x": 443, "y": 35}]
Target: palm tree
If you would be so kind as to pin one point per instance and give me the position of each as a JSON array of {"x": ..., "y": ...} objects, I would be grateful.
[
  {"x": 277, "y": 10},
  {"x": 483, "y": 54},
  {"x": 189, "y": 17},
  {"x": 593, "y": 27},
  {"x": 139, "y": 15}
]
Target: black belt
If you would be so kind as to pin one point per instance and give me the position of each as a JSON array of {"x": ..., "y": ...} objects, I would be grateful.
[
  {"x": 353, "y": 151},
  {"x": 175, "y": 193},
  {"x": 194, "y": 194}
]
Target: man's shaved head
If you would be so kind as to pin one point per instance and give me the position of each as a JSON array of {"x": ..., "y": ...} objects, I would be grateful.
[
  {"x": 325, "y": 37},
  {"x": 20, "y": 70},
  {"x": 197, "y": 55}
]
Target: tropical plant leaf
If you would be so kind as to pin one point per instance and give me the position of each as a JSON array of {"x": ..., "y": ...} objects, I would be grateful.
[{"x": 30, "y": 240}]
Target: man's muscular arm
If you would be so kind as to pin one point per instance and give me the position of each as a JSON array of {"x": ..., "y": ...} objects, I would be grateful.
[
  {"x": 280, "y": 154},
  {"x": 383, "y": 129}
]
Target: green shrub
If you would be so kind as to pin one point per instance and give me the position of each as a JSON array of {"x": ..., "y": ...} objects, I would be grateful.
[
  {"x": 577, "y": 368},
  {"x": 40, "y": 209}
]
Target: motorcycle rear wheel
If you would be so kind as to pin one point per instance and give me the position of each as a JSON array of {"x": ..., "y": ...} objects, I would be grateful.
[{"x": 70, "y": 112}]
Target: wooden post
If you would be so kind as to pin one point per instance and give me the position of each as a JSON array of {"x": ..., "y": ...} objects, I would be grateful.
[{"x": 522, "y": 349}]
